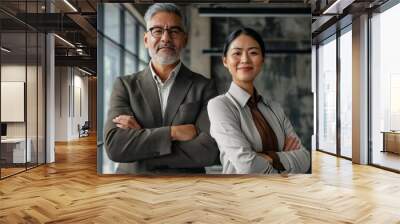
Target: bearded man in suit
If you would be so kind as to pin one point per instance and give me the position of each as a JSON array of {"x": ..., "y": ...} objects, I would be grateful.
[{"x": 157, "y": 120}]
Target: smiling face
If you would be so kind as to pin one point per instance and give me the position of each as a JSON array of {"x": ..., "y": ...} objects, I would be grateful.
[
  {"x": 244, "y": 59},
  {"x": 165, "y": 49}
]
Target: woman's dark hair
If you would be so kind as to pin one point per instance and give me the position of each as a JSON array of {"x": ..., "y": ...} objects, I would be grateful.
[{"x": 246, "y": 31}]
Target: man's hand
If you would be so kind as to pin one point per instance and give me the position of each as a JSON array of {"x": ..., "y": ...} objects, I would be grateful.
[
  {"x": 126, "y": 121},
  {"x": 183, "y": 132},
  {"x": 291, "y": 143}
]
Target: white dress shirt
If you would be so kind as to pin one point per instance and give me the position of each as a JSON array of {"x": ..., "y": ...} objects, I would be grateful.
[
  {"x": 233, "y": 128},
  {"x": 164, "y": 88}
]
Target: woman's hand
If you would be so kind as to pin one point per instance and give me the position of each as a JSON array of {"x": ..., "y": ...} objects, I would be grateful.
[
  {"x": 265, "y": 156},
  {"x": 291, "y": 143},
  {"x": 270, "y": 160}
]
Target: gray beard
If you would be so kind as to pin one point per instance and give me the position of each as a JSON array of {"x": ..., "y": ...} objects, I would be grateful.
[{"x": 164, "y": 60}]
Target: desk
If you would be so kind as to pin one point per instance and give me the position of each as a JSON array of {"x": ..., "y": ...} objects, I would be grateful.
[
  {"x": 13, "y": 150},
  {"x": 391, "y": 141}
]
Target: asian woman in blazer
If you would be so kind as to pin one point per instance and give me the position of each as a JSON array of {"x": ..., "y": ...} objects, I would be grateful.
[{"x": 253, "y": 134}]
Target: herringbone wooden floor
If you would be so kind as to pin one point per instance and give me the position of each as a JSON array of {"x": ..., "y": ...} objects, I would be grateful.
[{"x": 70, "y": 191}]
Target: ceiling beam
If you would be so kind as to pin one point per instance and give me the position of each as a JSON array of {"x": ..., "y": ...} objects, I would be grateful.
[
  {"x": 86, "y": 27},
  {"x": 82, "y": 61},
  {"x": 256, "y": 12}
]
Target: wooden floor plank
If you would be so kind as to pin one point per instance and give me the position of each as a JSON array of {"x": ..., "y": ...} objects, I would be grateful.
[{"x": 70, "y": 191}]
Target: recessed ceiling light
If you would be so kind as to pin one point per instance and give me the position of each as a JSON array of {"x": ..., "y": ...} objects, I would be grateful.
[
  {"x": 5, "y": 50},
  {"x": 70, "y": 5},
  {"x": 84, "y": 71},
  {"x": 64, "y": 40},
  {"x": 337, "y": 7}
]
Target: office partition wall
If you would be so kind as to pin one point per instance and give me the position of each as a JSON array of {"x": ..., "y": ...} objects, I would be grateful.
[
  {"x": 22, "y": 77},
  {"x": 14, "y": 151}
]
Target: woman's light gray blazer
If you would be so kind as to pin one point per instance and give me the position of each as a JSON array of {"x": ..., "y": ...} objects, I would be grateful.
[{"x": 238, "y": 140}]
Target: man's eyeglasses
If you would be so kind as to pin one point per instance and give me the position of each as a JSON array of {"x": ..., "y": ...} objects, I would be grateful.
[{"x": 173, "y": 32}]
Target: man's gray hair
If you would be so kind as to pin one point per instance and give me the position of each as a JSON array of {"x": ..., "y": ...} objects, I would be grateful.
[{"x": 164, "y": 7}]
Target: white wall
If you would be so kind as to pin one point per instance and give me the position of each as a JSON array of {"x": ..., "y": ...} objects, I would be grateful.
[
  {"x": 13, "y": 73},
  {"x": 61, "y": 103},
  {"x": 71, "y": 87},
  {"x": 79, "y": 117}
]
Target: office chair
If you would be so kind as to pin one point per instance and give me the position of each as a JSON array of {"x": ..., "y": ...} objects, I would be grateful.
[{"x": 84, "y": 130}]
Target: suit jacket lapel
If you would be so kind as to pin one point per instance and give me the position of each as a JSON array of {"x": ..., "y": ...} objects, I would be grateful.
[
  {"x": 178, "y": 92},
  {"x": 149, "y": 91}
]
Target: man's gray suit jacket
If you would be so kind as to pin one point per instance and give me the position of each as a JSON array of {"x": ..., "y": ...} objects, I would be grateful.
[{"x": 151, "y": 148}]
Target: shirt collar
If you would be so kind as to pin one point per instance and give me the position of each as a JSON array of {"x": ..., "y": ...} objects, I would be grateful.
[
  {"x": 171, "y": 76},
  {"x": 241, "y": 96}
]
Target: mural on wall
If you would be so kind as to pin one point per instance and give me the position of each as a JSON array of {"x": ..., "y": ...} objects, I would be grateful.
[
  {"x": 286, "y": 76},
  {"x": 289, "y": 66}
]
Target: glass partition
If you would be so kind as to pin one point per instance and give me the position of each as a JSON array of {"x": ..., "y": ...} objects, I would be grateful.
[
  {"x": 31, "y": 98},
  {"x": 22, "y": 88},
  {"x": 15, "y": 152}
]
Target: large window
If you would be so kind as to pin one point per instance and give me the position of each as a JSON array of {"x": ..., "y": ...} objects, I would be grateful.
[
  {"x": 119, "y": 54},
  {"x": 327, "y": 96},
  {"x": 385, "y": 88},
  {"x": 346, "y": 93},
  {"x": 112, "y": 23},
  {"x": 334, "y": 60},
  {"x": 130, "y": 44}
]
